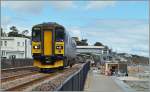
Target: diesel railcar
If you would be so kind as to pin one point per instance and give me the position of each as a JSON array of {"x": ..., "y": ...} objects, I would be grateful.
[{"x": 52, "y": 46}]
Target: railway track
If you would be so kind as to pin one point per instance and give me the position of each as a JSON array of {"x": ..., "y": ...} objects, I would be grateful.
[
  {"x": 23, "y": 83},
  {"x": 13, "y": 77},
  {"x": 30, "y": 80},
  {"x": 17, "y": 69}
]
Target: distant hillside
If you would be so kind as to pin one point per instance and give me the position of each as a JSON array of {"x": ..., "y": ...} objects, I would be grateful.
[
  {"x": 140, "y": 60},
  {"x": 134, "y": 59}
]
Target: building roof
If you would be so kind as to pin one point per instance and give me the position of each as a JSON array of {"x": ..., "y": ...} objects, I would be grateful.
[
  {"x": 115, "y": 62},
  {"x": 12, "y": 38},
  {"x": 90, "y": 47}
]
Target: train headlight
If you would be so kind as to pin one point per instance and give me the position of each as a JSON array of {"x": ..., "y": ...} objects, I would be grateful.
[
  {"x": 59, "y": 47},
  {"x": 36, "y": 47}
]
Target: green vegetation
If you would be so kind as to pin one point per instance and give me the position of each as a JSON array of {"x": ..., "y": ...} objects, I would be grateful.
[
  {"x": 98, "y": 44},
  {"x": 83, "y": 42},
  {"x": 15, "y": 33}
]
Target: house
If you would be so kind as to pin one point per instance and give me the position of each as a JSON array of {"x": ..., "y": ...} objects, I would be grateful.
[{"x": 16, "y": 47}]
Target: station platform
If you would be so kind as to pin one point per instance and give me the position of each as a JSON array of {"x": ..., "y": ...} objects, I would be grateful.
[{"x": 96, "y": 82}]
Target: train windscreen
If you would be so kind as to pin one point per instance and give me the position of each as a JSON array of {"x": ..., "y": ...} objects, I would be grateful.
[
  {"x": 36, "y": 34},
  {"x": 59, "y": 35}
]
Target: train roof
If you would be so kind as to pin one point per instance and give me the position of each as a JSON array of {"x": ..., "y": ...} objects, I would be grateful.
[{"x": 52, "y": 24}]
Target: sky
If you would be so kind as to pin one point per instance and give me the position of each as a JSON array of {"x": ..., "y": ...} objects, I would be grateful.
[{"x": 121, "y": 25}]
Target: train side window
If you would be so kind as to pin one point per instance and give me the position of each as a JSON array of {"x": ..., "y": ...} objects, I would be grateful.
[
  {"x": 59, "y": 34},
  {"x": 36, "y": 35}
]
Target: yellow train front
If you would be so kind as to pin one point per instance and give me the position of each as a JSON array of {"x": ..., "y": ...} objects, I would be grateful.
[{"x": 52, "y": 47}]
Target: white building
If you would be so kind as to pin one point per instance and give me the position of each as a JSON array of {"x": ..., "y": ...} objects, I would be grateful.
[{"x": 17, "y": 47}]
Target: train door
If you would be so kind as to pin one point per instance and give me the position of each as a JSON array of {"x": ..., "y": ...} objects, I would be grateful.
[{"x": 47, "y": 42}]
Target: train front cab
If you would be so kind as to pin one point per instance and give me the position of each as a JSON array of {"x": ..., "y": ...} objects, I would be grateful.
[{"x": 48, "y": 48}]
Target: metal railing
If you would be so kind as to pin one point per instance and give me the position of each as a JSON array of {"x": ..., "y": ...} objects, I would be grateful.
[{"x": 76, "y": 81}]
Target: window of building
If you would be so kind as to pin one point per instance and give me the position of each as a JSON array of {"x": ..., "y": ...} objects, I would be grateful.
[
  {"x": 18, "y": 43},
  {"x": 29, "y": 42},
  {"x": 3, "y": 53},
  {"x": 104, "y": 58},
  {"x": 12, "y": 56},
  {"x": 1, "y": 43},
  {"x": 5, "y": 42},
  {"x": 22, "y": 43}
]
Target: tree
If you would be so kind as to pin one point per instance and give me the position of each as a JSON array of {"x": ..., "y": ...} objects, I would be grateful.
[
  {"x": 98, "y": 44},
  {"x": 78, "y": 43},
  {"x": 25, "y": 32},
  {"x": 76, "y": 38},
  {"x": 14, "y": 32},
  {"x": 14, "y": 29},
  {"x": 106, "y": 47},
  {"x": 83, "y": 42}
]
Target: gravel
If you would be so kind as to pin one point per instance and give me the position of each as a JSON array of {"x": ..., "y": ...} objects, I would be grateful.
[
  {"x": 14, "y": 83},
  {"x": 53, "y": 84},
  {"x": 17, "y": 72}
]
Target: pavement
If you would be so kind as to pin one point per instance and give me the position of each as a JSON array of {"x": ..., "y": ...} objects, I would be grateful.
[
  {"x": 100, "y": 83},
  {"x": 130, "y": 78}
]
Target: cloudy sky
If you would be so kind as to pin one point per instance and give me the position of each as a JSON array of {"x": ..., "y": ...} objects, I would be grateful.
[{"x": 122, "y": 25}]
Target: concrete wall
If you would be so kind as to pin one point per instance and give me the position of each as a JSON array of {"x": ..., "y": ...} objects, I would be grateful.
[{"x": 10, "y": 63}]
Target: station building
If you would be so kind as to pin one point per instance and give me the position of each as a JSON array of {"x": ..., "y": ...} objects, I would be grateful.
[
  {"x": 101, "y": 51},
  {"x": 117, "y": 67},
  {"x": 16, "y": 47}
]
